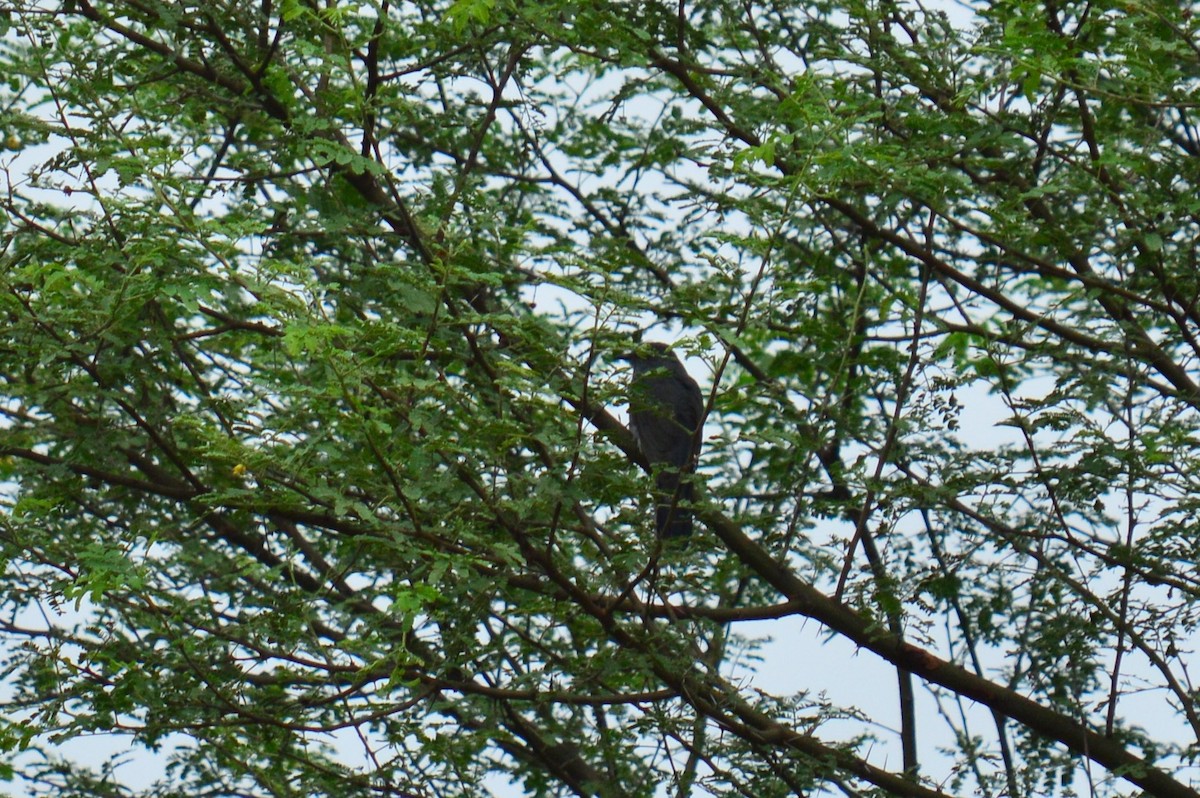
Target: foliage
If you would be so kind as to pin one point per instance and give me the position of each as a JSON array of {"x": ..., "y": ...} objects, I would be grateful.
[{"x": 314, "y": 478}]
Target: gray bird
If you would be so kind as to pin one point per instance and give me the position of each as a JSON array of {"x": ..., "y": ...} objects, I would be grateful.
[{"x": 665, "y": 410}]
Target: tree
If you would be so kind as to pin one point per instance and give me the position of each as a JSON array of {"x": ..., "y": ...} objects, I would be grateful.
[{"x": 316, "y": 479}]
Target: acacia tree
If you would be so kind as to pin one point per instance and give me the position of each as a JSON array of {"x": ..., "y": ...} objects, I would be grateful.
[{"x": 315, "y": 476}]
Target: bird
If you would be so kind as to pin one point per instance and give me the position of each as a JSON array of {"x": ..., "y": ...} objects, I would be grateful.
[{"x": 666, "y": 410}]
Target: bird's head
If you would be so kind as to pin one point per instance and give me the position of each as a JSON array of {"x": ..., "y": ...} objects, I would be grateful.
[{"x": 651, "y": 355}]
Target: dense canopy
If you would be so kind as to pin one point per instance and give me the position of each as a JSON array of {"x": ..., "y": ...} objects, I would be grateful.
[{"x": 313, "y": 465}]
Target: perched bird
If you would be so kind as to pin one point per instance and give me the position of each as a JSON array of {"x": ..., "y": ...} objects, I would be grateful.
[{"x": 666, "y": 409}]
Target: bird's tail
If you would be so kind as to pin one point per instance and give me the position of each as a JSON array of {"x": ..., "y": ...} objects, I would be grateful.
[{"x": 671, "y": 520}]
